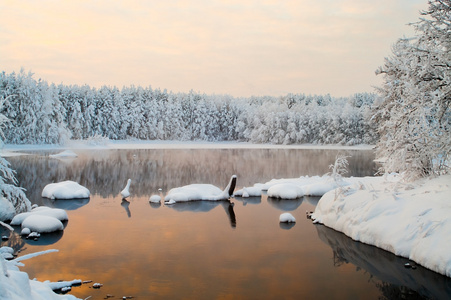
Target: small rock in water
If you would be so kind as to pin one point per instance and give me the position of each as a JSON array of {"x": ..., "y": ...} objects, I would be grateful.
[
  {"x": 97, "y": 285},
  {"x": 407, "y": 265},
  {"x": 5, "y": 238}
]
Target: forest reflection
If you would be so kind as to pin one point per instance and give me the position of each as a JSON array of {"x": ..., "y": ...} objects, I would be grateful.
[{"x": 150, "y": 170}]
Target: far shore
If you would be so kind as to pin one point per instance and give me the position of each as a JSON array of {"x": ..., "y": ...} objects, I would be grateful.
[{"x": 12, "y": 149}]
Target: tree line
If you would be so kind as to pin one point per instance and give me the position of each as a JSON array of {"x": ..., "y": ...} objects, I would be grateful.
[{"x": 40, "y": 112}]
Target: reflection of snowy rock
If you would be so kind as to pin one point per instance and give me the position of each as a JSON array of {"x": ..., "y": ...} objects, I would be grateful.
[
  {"x": 287, "y": 218},
  {"x": 285, "y": 205},
  {"x": 194, "y": 192},
  {"x": 65, "y": 190},
  {"x": 67, "y": 204},
  {"x": 42, "y": 224}
]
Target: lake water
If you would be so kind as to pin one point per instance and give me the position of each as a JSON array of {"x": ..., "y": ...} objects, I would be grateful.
[{"x": 206, "y": 250}]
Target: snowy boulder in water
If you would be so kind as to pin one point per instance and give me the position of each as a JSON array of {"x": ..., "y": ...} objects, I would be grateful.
[
  {"x": 65, "y": 190},
  {"x": 286, "y": 191},
  {"x": 287, "y": 218},
  {"x": 155, "y": 199},
  {"x": 56, "y": 213},
  {"x": 42, "y": 224},
  {"x": 195, "y": 192}
]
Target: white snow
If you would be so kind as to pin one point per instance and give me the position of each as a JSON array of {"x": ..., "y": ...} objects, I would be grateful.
[
  {"x": 42, "y": 224},
  {"x": 285, "y": 191},
  {"x": 126, "y": 192},
  {"x": 7, "y": 210},
  {"x": 287, "y": 218},
  {"x": 41, "y": 219},
  {"x": 56, "y": 213},
  {"x": 65, "y": 190},
  {"x": 292, "y": 188},
  {"x": 195, "y": 192},
  {"x": 412, "y": 220},
  {"x": 65, "y": 154},
  {"x": 155, "y": 199}
]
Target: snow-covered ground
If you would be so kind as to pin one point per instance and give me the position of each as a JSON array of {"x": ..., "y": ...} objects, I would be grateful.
[{"x": 12, "y": 150}]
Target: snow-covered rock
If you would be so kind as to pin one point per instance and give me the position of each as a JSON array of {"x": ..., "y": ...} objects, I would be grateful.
[
  {"x": 195, "y": 192},
  {"x": 155, "y": 199},
  {"x": 42, "y": 224},
  {"x": 285, "y": 191},
  {"x": 56, "y": 213},
  {"x": 65, "y": 190},
  {"x": 408, "y": 219},
  {"x": 287, "y": 218}
]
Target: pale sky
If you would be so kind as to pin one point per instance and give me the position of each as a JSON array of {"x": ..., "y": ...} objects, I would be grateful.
[{"x": 235, "y": 47}]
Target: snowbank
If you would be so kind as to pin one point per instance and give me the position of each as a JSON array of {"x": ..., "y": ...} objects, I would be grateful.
[
  {"x": 412, "y": 220},
  {"x": 65, "y": 190},
  {"x": 16, "y": 285},
  {"x": 293, "y": 188},
  {"x": 7, "y": 210}
]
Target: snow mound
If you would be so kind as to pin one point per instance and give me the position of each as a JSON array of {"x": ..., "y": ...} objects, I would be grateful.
[
  {"x": 287, "y": 218},
  {"x": 7, "y": 210},
  {"x": 292, "y": 188},
  {"x": 42, "y": 224},
  {"x": 65, "y": 190},
  {"x": 16, "y": 285},
  {"x": 195, "y": 192},
  {"x": 155, "y": 199},
  {"x": 285, "y": 191},
  {"x": 410, "y": 220},
  {"x": 56, "y": 213}
]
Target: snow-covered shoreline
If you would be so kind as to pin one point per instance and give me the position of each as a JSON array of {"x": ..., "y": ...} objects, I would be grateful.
[
  {"x": 409, "y": 219},
  {"x": 13, "y": 149}
]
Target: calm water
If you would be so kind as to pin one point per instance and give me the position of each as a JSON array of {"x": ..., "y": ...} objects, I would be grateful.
[{"x": 206, "y": 250}]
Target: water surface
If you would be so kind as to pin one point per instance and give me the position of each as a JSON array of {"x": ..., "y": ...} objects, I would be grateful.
[{"x": 206, "y": 250}]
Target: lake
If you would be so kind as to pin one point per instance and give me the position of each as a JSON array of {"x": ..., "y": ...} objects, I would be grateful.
[{"x": 233, "y": 249}]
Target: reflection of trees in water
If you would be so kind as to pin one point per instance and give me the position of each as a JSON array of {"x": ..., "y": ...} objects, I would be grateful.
[
  {"x": 14, "y": 240},
  {"x": 396, "y": 281},
  {"x": 105, "y": 172}
]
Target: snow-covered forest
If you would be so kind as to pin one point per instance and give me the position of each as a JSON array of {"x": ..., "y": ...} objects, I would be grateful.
[{"x": 40, "y": 112}]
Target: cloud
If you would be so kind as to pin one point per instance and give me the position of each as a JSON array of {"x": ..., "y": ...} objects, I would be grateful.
[{"x": 235, "y": 47}]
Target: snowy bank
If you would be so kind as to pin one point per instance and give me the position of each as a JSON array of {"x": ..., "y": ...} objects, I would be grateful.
[
  {"x": 16, "y": 285},
  {"x": 412, "y": 220}
]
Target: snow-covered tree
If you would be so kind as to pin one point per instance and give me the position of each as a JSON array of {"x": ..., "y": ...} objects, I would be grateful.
[
  {"x": 8, "y": 183},
  {"x": 414, "y": 115}
]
